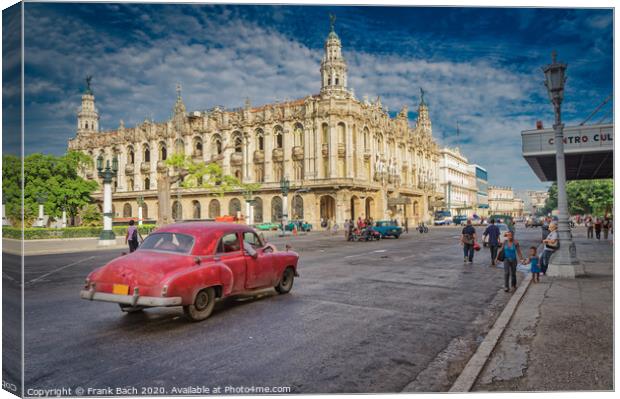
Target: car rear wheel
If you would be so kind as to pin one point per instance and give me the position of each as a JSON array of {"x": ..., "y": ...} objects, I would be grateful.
[
  {"x": 286, "y": 282},
  {"x": 396, "y": 236},
  {"x": 202, "y": 307},
  {"x": 130, "y": 309}
]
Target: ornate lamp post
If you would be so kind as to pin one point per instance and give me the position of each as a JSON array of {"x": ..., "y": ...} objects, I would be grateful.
[
  {"x": 64, "y": 211},
  {"x": 108, "y": 174},
  {"x": 564, "y": 262},
  {"x": 285, "y": 185},
  {"x": 41, "y": 199},
  {"x": 140, "y": 201}
]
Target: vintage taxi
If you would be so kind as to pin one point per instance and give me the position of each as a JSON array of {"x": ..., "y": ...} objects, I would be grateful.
[{"x": 192, "y": 265}]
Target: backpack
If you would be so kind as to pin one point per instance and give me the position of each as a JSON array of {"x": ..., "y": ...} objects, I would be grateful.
[
  {"x": 468, "y": 239},
  {"x": 134, "y": 235}
]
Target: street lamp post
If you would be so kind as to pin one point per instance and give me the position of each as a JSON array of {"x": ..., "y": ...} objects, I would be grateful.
[
  {"x": 108, "y": 174},
  {"x": 564, "y": 262},
  {"x": 285, "y": 185},
  {"x": 140, "y": 207},
  {"x": 249, "y": 208},
  {"x": 64, "y": 212}
]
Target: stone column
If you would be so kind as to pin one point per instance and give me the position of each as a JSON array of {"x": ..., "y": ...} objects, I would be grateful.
[
  {"x": 287, "y": 148},
  {"x": 139, "y": 215},
  {"x": 349, "y": 151},
  {"x": 333, "y": 150},
  {"x": 64, "y": 218},
  {"x": 268, "y": 140},
  {"x": 308, "y": 153}
]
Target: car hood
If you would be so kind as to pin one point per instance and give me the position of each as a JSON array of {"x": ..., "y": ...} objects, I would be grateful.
[{"x": 141, "y": 268}]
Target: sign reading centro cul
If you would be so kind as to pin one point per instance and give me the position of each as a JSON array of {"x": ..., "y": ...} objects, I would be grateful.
[{"x": 584, "y": 138}]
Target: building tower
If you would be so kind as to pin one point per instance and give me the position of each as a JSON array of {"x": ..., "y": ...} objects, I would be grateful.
[
  {"x": 424, "y": 119},
  {"x": 333, "y": 66},
  {"x": 88, "y": 116}
]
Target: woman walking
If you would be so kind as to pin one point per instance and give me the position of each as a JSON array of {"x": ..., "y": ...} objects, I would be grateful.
[
  {"x": 133, "y": 236},
  {"x": 511, "y": 254}
]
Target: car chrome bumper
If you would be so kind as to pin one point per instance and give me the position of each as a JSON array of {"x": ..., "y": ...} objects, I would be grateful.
[{"x": 133, "y": 300}]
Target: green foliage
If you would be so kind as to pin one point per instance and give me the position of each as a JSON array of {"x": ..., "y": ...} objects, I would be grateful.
[
  {"x": 207, "y": 175},
  {"x": 54, "y": 178},
  {"x": 35, "y": 233},
  {"x": 594, "y": 197},
  {"x": 90, "y": 215}
]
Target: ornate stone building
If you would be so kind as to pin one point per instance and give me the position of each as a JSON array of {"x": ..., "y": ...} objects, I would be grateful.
[{"x": 345, "y": 158}]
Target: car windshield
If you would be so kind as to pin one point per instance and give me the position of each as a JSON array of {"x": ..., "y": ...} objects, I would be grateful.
[{"x": 168, "y": 242}]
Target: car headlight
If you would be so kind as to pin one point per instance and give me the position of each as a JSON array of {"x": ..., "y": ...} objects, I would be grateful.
[
  {"x": 87, "y": 283},
  {"x": 164, "y": 290}
]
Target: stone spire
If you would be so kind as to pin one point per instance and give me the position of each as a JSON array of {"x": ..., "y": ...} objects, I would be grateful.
[
  {"x": 424, "y": 119},
  {"x": 179, "y": 106},
  {"x": 88, "y": 116},
  {"x": 333, "y": 66}
]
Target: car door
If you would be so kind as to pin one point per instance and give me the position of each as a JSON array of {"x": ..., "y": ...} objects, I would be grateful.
[
  {"x": 260, "y": 270},
  {"x": 229, "y": 251}
]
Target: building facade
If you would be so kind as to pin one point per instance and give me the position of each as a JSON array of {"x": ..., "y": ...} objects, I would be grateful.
[
  {"x": 482, "y": 187},
  {"x": 502, "y": 201},
  {"x": 345, "y": 158},
  {"x": 536, "y": 201},
  {"x": 458, "y": 182}
]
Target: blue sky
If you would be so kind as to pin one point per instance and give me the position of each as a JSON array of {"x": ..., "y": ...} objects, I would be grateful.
[{"x": 478, "y": 66}]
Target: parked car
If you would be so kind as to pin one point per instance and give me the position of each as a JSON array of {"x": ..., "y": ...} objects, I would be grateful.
[
  {"x": 267, "y": 226},
  {"x": 534, "y": 222},
  {"x": 507, "y": 219},
  {"x": 503, "y": 229},
  {"x": 192, "y": 265},
  {"x": 301, "y": 225},
  {"x": 442, "y": 218},
  {"x": 460, "y": 219},
  {"x": 387, "y": 228}
]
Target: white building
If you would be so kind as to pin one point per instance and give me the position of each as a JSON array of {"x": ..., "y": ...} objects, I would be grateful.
[
  {"x": 502, "y": 201},
  {"x": 458, "y": 182}
]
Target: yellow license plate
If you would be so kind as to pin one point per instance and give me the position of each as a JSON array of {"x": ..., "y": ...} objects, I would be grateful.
[{"x": 120, "y": 289}]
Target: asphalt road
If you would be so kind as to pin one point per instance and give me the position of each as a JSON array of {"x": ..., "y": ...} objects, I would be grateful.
[{"x": 363, "y": 317}]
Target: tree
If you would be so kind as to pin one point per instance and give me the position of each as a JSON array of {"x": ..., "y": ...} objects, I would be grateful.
[
  {"x": 584, "y": 197},
  {"x": 54, "y": 179},
  {"x": 90, "y": 215}
]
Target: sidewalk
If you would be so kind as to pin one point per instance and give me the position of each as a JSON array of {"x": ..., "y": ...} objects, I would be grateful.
[{"x": 560, "y": 337}]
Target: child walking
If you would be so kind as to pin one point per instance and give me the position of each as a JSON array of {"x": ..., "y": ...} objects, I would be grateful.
[{"x": 534, "y": 264}]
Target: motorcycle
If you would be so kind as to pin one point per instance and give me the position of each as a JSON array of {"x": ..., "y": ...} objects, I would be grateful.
[{"x": 422, "y": 228}]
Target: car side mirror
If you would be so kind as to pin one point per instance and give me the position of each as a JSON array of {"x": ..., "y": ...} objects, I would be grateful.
[{"x": 250, "y": 251}]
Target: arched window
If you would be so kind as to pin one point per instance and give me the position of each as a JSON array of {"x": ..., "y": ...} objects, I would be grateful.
[
  {"x": 197, "y": 146},
  {"x": 298, "y": 135},
  {"x": 214, "y": 209},
  {"x": 238, "y": 144},
  {"x": 258, "y": 210},
  {"x": 130, "y": 185},
  {"x": 147, "y": 184},
  {"x": 325, "y": 134},
  {"x": 147, "y": 153},
  {"x": 260, "y": 140},
  {"x": 278, "y": 137},
  {"x": 127, "y": 210},
  {"x": 341, "y": 133},
  {"x": 195, "y": 209},
  {"x": 298, "y": 207},
  {"x": 216, "y": 145},
  {"x": 163, "y": 152},
  {"x": 131, "y": 156},
  {"x": 177, "y": 210},
  {"x": 234, "y": 206},
  {"x": 276, "y": 209},
  {"x": 336, "y": 81}
]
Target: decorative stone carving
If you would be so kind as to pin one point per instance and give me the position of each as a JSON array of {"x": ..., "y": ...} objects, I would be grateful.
[
  {"x": 129, "y": 169},
  {"x": 259, "y": 156},
  {"x": 325, "y": 149},
  {"x": 278, "y": 155},
  {"x": 236, "y": 159},
  {"x": 298, "y": 153},
  {"x": 341, "y": 150},
  {"x": 145, "y": 167}
]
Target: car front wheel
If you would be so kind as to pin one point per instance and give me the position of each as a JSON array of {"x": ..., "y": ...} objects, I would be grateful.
[
  {"x": 286, "y": 282},
  {"x": 202, "y": 307}
]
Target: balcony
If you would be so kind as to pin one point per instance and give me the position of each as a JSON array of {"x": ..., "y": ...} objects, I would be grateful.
[
  {"x": 236, "y": 159},
  {"x": 129, "y": 169},
  {"x": 216, "y": 158},
  {"x": 325, "y": 149},
  {"x": 145, "y": 167},
  {"x": 197, "y": 154},
  {"x": 259, "y": 156},
  {"x": 367, "y": 154},
  {"x": 278, "y": 155},
  {"x": 341, "y": 150},
  {"x": 161, "y": 166},
  {"x": 298, "y": 153}
]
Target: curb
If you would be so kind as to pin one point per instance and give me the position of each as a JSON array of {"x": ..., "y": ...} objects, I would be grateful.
[{"x": 476, "y": 363}]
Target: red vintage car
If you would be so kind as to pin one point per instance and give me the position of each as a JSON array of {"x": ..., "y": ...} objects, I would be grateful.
[{"x": 191, "y": 265}]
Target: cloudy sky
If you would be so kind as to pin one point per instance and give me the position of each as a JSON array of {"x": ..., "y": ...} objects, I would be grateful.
[{"x": 478, "y": 66}]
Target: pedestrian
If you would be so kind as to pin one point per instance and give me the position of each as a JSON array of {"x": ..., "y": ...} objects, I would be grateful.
[
  {"x": 590, "y": 227},
  {"x": 552, "y": 243},
  {"x": 534, "y": 264},
  {"x": 335, "y": 228},
  {"x": 606, "y": 224},
  {"x": 468, "y": 240},
  {"x": 360, "y": 223},
  {"x": 598, "y": 225},
  {"x": 493, "y": 240},
  {"x": 511, "y": 253},
  {"x": 346, "y": 229},
  {"x": 133, "y": 236},
  {"x": 406, "y": 225}
]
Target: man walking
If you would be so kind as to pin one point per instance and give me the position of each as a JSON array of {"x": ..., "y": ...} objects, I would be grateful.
[
  {"x": 468, "y": 239},
  {"x": 407, "y": 225},
  {"x": 493, "y": 234},
  {"x": 597, "y": 228},
  {"x": 590, "y": 227},
  {"x": 606, "y": 225}
]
